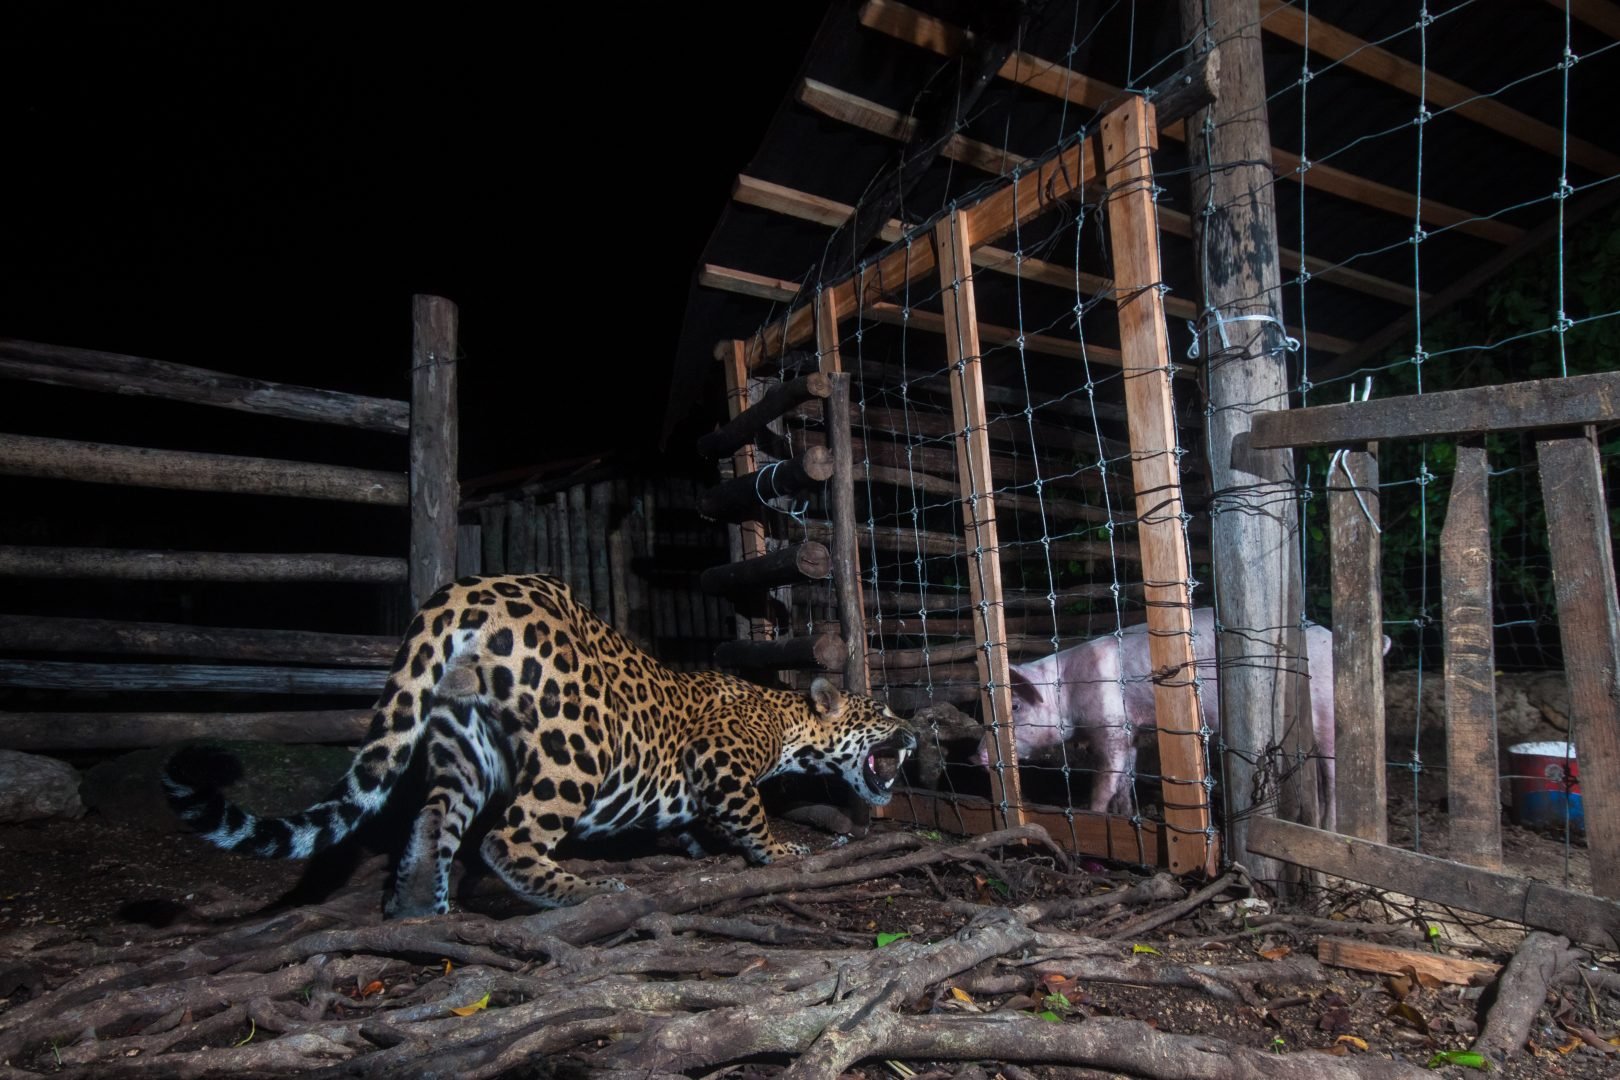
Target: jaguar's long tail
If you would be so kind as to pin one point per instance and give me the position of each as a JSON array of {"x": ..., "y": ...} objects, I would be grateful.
[{"x": 195, "y": 776}]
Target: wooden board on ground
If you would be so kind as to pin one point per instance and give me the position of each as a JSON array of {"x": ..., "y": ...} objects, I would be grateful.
[
  {"x": 1576, "y": 915},
  {"x": 1391, "y": 960}
]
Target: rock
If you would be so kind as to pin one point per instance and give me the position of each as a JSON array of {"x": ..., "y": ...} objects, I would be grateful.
[
  {"x": 1530, "y": 705},
  {"x": 34, "y": 787},
  {"x": 277, "y": 779}
]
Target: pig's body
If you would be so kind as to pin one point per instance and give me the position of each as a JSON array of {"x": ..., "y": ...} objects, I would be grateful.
[{"x": 1102, "y": 691}]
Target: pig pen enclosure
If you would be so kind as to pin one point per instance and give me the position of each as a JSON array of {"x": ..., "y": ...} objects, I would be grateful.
[{"x": 1110, "y": 434}]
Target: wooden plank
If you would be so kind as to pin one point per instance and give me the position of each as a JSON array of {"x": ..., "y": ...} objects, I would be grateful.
[
  {"x": 1391, "y": 960},
  {"x": 435, "y": 445},
  {"x": 115, "y": 373},
  {"x": 579, "y": 542},
  {"x": 1589, "y": 627},
  {"x": 37, "y": 732},
  {"x": 1566, "y": 402},
  {"x": 1343, "y": 48},
  {"x": 211, "y": 678},
  {"x": 1362, "y": 806},
  {"x": 618, "y": 576},
  {"x": 1472, "y": 783},
  {"x": 129, "y": 565},
  {"x": 469, "y": 550},
  {"x": 953, "y": 237},
  {"x": 1128, "y": 140},
  {"x": 520, "y": 537},
  {"x": 1599, "y": 14},
  {"x": 493, "y": 537},
  {"x": 39, "y": 633},
  {"x": 1098, "y": 835},
  {"x": 803, "y": 206},
  {"x": 845, "y": 552},
  {"x": 785, "y": 566},
  {"x": 186, "y": 470},
  {"x": 601, "y": 509},
  {"x": 1576, "y": 915},
  {"x": 563, "y": 531}
]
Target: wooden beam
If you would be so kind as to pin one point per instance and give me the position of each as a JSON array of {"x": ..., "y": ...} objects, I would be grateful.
[
  {"x": 37, "y": 732},
  {"x": 813, "y": 208},
  {"x": 114, "y": 373},
  {"x": 38, "y": 633},
  {"x": 186, "y": 470},
  {"x": 1099, "y": 96},
  {"x": 953, "y": 239},
  {"x": 824, "y": 651},
  {"x": 809, "y": 561},
  {"x": 435, "y": 445},
  {"x": 1324, "y": 39},
  {"x": 1383, "y": 959},
  {"x": 1598, "y": 14},
  {"x": 1576, "y": 915},
  {"x": 129, "y": 565},
  {"x": 743, "y": 498},
  {"x": 1129, "y": 137},
  {"x": 211, "y": 678},
  {"x": 1361, "y": 804},
  {"x": 1098, "y": 835},
  {"x": 749, "y": 419},
  {"x": 1565, "y": 402},
  {"x": 1472, "y": 783},
  {"x": 1589, "y": 628}
]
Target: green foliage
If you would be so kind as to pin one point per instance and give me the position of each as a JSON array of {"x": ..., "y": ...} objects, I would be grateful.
[{"x": 1506, "y": 333}]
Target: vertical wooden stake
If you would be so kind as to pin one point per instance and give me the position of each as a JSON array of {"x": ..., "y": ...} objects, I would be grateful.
[
  {"x": 846, "y": 550},
  {"x": 600, "y": 514},
  {"x": 1589, "y": 625},
  {"x": 1465, "y": 592},
  {"x": 955, "y": 250},
  {"x": 580, "y": 542},
  {"x": 435, "y": 442},
  {"x": 520, "y": 536},
  {"x": 1360, "y": 791},
  {"x": 563, "y": 529},
  {"x": 752, "y": 533},
  {"x": 493, "y": 519},
  {"x": 1129, "y": 136}
]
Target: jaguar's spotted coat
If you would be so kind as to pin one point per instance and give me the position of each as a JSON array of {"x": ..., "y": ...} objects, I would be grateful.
[{"x": 524, "y": 700}]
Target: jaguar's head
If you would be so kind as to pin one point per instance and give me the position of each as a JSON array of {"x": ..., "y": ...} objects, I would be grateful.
[{"x": 856, "y": 737}]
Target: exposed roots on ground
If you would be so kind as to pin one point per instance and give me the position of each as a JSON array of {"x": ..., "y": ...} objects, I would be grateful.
[{"x": 693, "y": 970}]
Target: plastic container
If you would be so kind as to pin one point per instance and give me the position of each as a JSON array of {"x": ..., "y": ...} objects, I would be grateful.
[{"x": 1546, "y": 785}]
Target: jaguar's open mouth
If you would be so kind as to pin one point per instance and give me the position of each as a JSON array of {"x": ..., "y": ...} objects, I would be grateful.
[{"x": 883, "y": 763}]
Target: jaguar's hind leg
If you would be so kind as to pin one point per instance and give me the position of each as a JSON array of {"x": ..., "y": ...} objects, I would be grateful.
[
  {"x": 521, "y": 854},
  {"x": 465, "y": 767}
]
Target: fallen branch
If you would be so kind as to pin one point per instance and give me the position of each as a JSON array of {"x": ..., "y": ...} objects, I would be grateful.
[{"x": 1521, "y": 991}]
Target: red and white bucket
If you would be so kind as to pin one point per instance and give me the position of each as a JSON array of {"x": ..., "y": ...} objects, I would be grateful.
[{"x": 1545, "y": 784}]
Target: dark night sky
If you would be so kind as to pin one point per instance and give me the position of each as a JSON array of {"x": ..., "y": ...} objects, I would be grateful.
[{"x": 259, "y": 189}]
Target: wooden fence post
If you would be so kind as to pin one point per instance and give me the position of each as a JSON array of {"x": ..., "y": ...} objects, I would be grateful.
[
  {"x": 1129, "y": 135},
  {"x": 435, "y": 439},
  {"x": 1361, "y": 792},
  {"x": 980, "y": 533}
]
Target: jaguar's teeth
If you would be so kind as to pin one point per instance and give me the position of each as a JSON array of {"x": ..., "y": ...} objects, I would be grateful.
[{"x": 900, "y": 762}]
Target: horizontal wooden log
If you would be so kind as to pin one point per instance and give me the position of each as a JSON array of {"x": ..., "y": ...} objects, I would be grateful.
[
  {"x": 37, "y": 732},
  {"x": 947, "y": 600},
  {"x": 38, "y": 633},
  {"x": 1538, "y": 403},
  {"x": 1102, "y": 835},
  {"x": 899, "y": 539},
  {"x": 810, "y": 561},
  {"x": 127, "y": 565},
  {"x": 743, "y": 498},
  {"x": 740, "y": 431},
  {"x": 1381, "y": 959},
  {"x": 908, "y": 699},
  {"x": 184, "y": 470},
  {"x": 112, "y": 373},
  {"x": 824, "y": 651},
  {"x": 1576, "y": 915},
  {"x": 222, "y": 678}
]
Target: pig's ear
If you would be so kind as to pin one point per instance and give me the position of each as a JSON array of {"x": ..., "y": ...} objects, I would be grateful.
[{"x": 1023, "y": 689}]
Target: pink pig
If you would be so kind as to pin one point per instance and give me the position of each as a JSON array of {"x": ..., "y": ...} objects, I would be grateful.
[{"x": 1102, "y": 689}]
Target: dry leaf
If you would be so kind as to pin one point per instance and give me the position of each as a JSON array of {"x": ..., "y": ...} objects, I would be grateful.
[
  {"x": 961, "y": 995},
  {"x": 1405, "y": 1014},
  {"x": 1399, "y": 986},
  {"x": 1277, "y": 953},
  {"x": 1421, "y": 978},
  {"x": 375, "y": 986},
  {"x": 756, "y": 964},
  {"x": 1351, "y": 1040},
  {"x": 468, "y": 1010}
]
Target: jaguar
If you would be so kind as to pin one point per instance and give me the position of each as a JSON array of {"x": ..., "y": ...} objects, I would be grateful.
[{"x": 528, "y": 706}]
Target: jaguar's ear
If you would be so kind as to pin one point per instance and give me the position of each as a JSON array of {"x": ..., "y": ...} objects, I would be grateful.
[{"x": 826, "y": 697}]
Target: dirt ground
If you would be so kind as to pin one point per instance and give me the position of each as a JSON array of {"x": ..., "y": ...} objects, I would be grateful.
[{"x": 91, "y": 879}]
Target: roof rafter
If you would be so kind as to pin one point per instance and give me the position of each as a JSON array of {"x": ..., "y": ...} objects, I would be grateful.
[{"x": 907, "y": 24}]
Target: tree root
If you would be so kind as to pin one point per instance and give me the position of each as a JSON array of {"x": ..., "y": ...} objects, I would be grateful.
[{"x": 671, "y": 978}]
